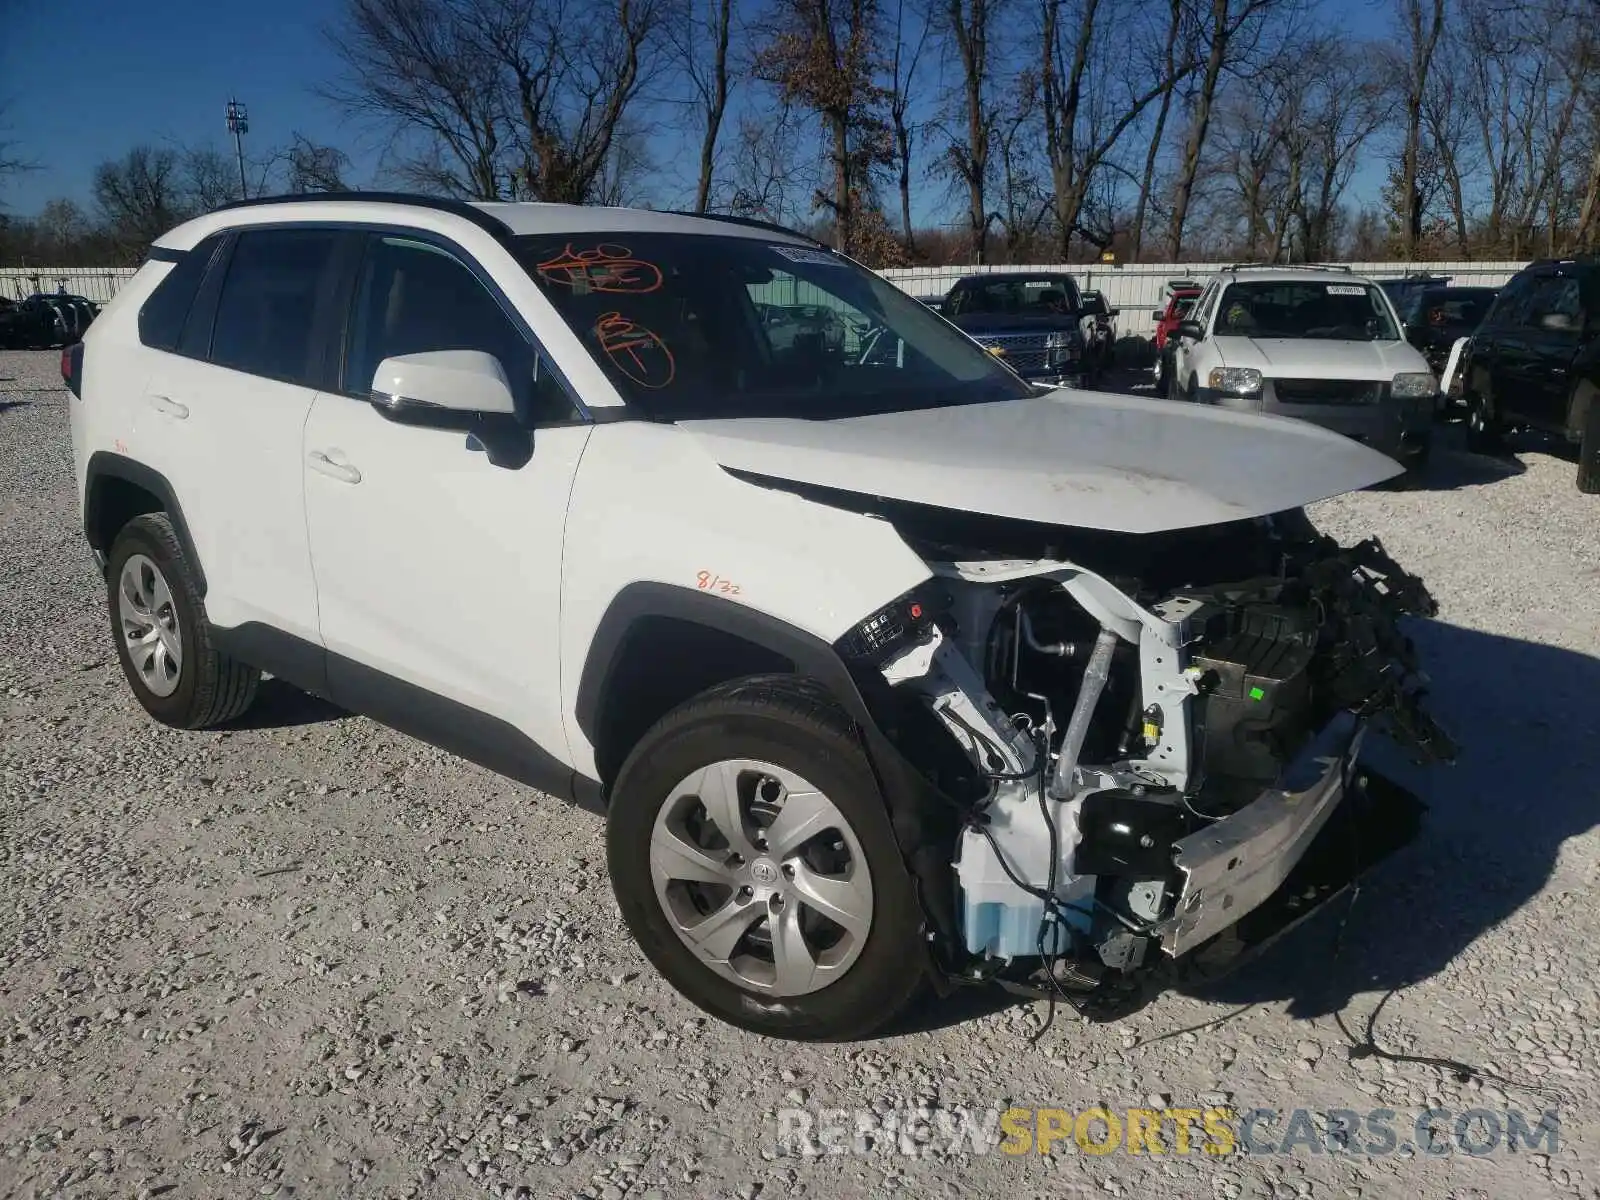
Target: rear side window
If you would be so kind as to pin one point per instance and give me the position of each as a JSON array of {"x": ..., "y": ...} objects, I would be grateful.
[
  {"x": 267, "y": 315},
  {"x": 163, "y": 314},
  {"x": 1511, "y": 306}
]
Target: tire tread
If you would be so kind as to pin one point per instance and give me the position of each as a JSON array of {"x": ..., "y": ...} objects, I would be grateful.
[{"x": 224, "y": 688}]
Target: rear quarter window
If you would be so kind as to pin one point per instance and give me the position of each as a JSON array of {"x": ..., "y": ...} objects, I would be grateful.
[{"x": 162, "y": 315}]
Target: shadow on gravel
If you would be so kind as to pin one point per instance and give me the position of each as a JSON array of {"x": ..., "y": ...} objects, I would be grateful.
[
  {"x": 1525, "y": 717},
  {"x": 279, "y": 705},
  {"x": 1452, "y": 465},
  {"x": 10, "y": 404}
]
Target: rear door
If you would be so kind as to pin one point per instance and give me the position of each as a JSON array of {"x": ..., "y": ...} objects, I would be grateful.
[
  {"x": 222, "y": 416},
  {"x": 1553, "y": 336},
  {"x": 1498, "y": 347}
]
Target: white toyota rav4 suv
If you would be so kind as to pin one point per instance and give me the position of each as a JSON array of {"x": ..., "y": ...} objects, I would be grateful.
[
  {"x": 1317, "y": 343},
  {"x": 884, "y": 666}
]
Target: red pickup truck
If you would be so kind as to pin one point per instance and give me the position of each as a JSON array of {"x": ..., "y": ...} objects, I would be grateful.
[{"x": 1181, "y": 295}]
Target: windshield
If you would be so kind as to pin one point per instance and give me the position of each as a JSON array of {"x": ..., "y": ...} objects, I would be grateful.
[
  {"x": 703, "y": 326},
  {"x": 1456, "y": 308},
  {"x": 1013, "y": 295},
  {"x": 1349, "y": 312}
]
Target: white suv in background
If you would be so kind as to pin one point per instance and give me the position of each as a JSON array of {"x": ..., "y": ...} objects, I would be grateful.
[
  {"x": 1317, "y": 343},
  {"x": 884, "y": 666}
]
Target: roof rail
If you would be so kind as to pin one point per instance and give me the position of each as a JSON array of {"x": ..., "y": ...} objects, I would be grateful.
[
  {"x": 1268, "y": 266},
  {"x": 750, "y": 222},
  {"x": 457, "y": 208}
]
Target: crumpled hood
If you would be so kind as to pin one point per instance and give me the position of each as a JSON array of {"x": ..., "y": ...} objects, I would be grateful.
[
  {"x": 1312, "y": 358},
  {"x": 1087, "y": 459}
]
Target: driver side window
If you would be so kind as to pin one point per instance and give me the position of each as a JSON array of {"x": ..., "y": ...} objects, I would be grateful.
[{"x": 413, "y": 297}]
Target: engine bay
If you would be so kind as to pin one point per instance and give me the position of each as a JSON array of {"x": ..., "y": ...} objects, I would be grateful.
[{"x": 1140, "y": 735}]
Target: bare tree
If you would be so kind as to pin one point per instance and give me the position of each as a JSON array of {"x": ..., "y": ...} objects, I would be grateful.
[
  {"x": 510, "y": 98},
  {"x": 12, "y": 160},
  {"x": 62, "y": 225},
  {"x": 820, "y": 55},
  {"x": 903, "y": 64},
  {"x": 209, "y": 180},
  {"x": 1092, "y": 93},
  {"x": 1422, "y": 24},
  {"x": 141, "y": 195},
  {"x": 313, "y": 167},
  {"x": 1168, "y": 67},
  {"x": 970, "y": 28},
  {"x": 1231, "y": 31},
  {"x": 1025, "y": 197},
  {"x": 765, "y": 178},
  {"x": 702, "y": 41}
]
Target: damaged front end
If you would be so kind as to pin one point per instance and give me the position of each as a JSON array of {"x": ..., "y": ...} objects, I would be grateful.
[{"x": 1140, "y": 739}]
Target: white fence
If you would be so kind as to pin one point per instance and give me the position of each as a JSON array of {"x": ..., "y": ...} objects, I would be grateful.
[
  {"x": 1136, "y": 288},
  {"x": 94, "y": 283}
]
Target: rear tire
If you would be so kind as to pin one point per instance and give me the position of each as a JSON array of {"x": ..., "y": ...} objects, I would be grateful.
[
  {"x": 769, "y": 959},
  {"x": 1589, "y": 450},
  {"x": 1485, "y": 433},
  {"x": 163, "y": 640}
]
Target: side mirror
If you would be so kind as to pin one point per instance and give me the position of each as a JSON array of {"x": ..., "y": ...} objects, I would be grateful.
[
  {"x": 1114, "y": 312},
  {"x": 1191, "y": 330},
  {"x": 1158, "y": 314},
  {"x": 447, "y": 389}
]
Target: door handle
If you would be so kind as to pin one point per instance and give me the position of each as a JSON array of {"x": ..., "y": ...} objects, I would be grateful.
[
  {"x": 324, "y": 465},
  {"x": 169, "y": 407}
]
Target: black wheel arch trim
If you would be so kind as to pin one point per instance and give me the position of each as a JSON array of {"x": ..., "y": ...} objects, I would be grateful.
[
  {"x": 103, "y": 465},
  {"x": 915, "y": 807}
]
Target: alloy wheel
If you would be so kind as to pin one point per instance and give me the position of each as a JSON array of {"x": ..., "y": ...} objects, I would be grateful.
[
  {"x": 761, "y": 876},
  {"x": 148, "y": 619}
]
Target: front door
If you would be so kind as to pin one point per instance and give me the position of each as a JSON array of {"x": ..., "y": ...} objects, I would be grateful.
[{"x": 438, "y": 572}]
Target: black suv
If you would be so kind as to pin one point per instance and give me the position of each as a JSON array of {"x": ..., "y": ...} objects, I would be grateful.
[
  {"x": 1535, "y": 361},
  {"x": 1435, "y": 317},
  {"x": 1034, "y": 322}
]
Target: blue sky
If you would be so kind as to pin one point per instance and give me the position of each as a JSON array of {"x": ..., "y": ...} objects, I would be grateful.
[{"x": 113, "y": 74}]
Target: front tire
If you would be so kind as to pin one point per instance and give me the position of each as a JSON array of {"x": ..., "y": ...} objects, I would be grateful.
[
  {"x": 163, "y": 640},
  {"x": 751, "y": 855}
]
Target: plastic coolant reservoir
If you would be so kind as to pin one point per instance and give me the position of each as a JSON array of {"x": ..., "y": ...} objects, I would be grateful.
[{"x": 997, "y": 917}]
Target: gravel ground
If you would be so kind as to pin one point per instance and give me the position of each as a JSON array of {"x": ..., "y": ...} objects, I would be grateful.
[{"x": 312, "y": 957}]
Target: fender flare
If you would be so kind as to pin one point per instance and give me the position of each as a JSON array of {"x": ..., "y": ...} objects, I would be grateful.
[
  {"x": 104, "y": 465},
  {"x": 807, "y": 655},
  {"x": 913, "y": 806}
]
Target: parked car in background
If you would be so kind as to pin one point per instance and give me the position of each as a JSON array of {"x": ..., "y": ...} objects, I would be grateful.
[
  {"x": 1318, "y": 343},
  {"x": 1101, "y": 351},
  {"x": 1181, "y": 295},
  {"x": 23, "y": 327},
  {"x": 42, "y": 321},
  {"x": 1402, "y": 289},
  {"x": 1032, "y": 321},
  {"x": 1435, "y": 318},
  {"x": 1534, "y": 362},
  {"x": 48, "y": 319}
]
